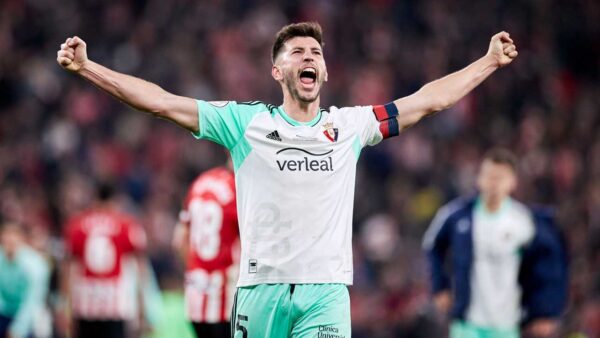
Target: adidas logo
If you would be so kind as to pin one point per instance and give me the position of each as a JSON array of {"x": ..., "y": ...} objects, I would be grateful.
[{"x": 274, "y": 136}]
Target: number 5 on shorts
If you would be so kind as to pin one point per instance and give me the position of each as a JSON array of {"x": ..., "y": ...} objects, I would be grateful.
[{"x": 240, "y": 327}]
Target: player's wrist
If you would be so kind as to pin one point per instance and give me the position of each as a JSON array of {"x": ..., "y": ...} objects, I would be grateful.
[
  {"x": 490, "y": 60},
  {"x": 84, "y": 66}
]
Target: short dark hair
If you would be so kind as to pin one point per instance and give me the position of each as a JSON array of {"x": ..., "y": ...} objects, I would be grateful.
[
  {"x": 310, "y": 29},
  {"x": 105, "y": 190},
  {"x": 502, "y": 156}
]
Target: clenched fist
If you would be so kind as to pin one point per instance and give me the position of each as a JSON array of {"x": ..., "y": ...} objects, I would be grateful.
[
  {"x": 502, "y": 49},
  {"x": 72, "y": 54}
]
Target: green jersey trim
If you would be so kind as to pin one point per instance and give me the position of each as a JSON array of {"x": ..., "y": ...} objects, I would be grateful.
[
  {"x": 199, "y": 134},
  {"x": 356, "y": 147},
  {"x": 222, "y": 122},
  {"x": 295, "y": 123},
  {"x": 239, "y": 153},
  {"x": 504, "y": 207},
  {"x": 225, "y": 123}
]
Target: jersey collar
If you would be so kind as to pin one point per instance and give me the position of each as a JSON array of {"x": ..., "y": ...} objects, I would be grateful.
[
  {"x": 504, "y": 206},
  {"x": 295, "y": 123}
]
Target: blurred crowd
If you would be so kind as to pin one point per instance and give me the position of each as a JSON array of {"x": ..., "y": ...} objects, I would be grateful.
[{"x": 58, "y": 134}]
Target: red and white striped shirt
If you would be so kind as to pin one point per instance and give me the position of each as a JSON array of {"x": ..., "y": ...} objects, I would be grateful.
[
  {"x": 212, "y": 264},
  {"x": 101, "y": 243}
]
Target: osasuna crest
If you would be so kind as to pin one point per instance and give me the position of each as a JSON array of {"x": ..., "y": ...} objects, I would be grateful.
[{"x": 330, "y": 132}]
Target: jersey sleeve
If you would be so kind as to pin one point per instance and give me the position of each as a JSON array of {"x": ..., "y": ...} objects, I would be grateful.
[
  {"x": 219, "y": 122},
  {"x": 435, "y": 244},
  {"x": 367, "y": 125},
  {"x": 224, "y": 122},
  {"x": 184, "y": 214},
  {"x": 135, "y": 236}
]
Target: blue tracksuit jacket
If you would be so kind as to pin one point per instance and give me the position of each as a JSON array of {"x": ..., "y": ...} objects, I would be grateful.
[{"x": 543, "y": 275}]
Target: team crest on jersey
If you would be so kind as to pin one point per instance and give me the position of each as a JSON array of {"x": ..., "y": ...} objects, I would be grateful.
[
  {"x": 330, "y": 132},
  {"x": 218, "y": 104}
]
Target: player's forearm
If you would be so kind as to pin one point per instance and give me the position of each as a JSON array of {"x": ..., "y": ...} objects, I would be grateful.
[
  {"x": 445, "y": 92},
  {"x": 181, "y": 240},
  {"x": 184, "y": 251},
  {"x": 65, "y": 282},
  {"x": 135, "y": 92}
]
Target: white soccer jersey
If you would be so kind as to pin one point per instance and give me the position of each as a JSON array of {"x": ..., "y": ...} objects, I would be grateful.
[
  {"x": 295, "y": 187},
  {"x": 498, "y": 239}
]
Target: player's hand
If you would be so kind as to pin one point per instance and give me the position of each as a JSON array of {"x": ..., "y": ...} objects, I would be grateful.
[
  {"x": 443, "y": 302},
  {"x": 502, "y": 49},
  {"x": 62, "y": 318},
  {"x": 543, "y": 328},
  {"x": 72, "y": 54}
]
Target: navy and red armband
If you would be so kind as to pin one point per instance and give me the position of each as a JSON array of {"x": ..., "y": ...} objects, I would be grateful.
[
  {"x": 386, "y": 115},
  {"x": 389, "y": 128}
]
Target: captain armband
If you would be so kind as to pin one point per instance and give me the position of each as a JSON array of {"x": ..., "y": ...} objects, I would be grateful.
[{"x": 386, "y": 115}]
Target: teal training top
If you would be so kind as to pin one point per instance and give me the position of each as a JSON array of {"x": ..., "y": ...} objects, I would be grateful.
[{"x": 23, "y": 288}]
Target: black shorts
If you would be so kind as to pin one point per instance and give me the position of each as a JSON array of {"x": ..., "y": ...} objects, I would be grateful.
[
  {"x": 216, "y": 330},
  {"x": 4, "y": 325},
  {"x": 100, "y": 329}
]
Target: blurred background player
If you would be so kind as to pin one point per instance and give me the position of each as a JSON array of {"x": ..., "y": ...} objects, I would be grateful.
[
  {"x": 207, "y": 237},
  {"x": 508, "y": 261},
  {"x": 24, "y": 275},
  {"x": 105, "y": 260}
]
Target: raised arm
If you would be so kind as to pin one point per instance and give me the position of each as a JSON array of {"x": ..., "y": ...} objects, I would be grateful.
[
  {"x": 137, "y": 93},
  {"x": 445, "y": 92}
]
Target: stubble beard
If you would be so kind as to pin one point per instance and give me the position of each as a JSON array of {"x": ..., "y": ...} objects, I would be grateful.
[{"x": 295, "y": 93}]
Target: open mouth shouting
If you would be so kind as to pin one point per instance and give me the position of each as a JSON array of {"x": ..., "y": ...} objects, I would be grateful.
[{"x": 308, "y": 78}]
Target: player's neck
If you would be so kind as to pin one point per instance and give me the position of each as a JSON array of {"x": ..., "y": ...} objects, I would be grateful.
[
  {"x": 104, "y": 205},
  {"x": 300, "y": 111},
  {"x": 492, "y": 205}
]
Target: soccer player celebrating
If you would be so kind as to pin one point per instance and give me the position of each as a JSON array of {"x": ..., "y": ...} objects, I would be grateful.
[
  {"x": 208, "y": 239},
  {"x": 506, "y": 260},
  {"x": 295, "y": 167}
]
